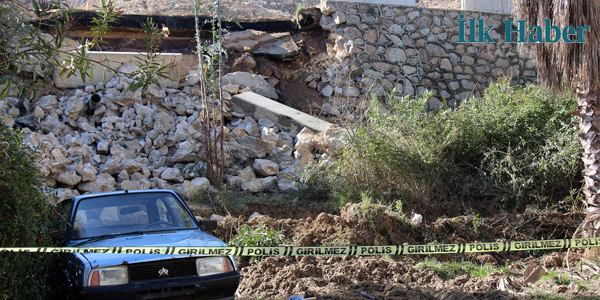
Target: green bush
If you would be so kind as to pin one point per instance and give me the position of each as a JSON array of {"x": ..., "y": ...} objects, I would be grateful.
[
  {"x": 26, "y": 217},
  {"x": 516, "y": 145},
  {"x": 260, "y": 236}
]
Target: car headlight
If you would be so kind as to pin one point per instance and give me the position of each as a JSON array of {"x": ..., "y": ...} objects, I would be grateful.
[
  {"x": 213, "y": 265},
  {"x": 109, "y": 276}
]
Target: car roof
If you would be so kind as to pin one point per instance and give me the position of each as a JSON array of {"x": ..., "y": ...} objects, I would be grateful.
[{"x": 123, "y": 192}]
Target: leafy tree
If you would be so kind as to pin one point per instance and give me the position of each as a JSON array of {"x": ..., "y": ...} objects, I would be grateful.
[{"x": 26, "y": 217}]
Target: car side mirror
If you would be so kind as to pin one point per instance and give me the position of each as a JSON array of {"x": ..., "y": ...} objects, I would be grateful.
[{"x": 208, "y": 225}]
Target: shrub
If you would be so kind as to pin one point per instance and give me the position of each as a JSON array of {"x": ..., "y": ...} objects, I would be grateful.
[
  {"x": 514, "y": 146},
  {"x": 315, "y": 184},
  {"x": 26, "y": 217},
  {"x": 260, "y": 236}
]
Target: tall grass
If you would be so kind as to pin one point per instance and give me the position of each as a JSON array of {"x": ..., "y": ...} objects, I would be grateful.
[{"x": 514, "y": 146}]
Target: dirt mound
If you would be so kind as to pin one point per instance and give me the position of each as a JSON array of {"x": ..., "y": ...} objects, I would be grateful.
[
  {"x": 346, "y": 277},
  {"x": 399, "y": 277}
]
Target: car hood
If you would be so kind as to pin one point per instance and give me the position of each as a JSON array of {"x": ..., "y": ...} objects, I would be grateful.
[{"x": 182, "y": 238}]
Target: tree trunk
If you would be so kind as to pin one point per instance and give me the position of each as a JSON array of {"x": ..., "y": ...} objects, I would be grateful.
[{"x": 589, "y": 112}]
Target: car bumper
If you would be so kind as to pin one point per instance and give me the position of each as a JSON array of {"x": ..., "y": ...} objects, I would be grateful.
[{"x": 217, "y": 287}]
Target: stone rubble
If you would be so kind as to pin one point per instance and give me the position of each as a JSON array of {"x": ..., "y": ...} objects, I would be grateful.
[{"x": 130, "y": 141}]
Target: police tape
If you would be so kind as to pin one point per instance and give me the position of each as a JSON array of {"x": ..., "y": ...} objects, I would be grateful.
[{"x": 329, "y": 250}]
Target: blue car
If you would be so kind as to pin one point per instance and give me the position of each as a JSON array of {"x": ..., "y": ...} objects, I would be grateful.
[{"x": 144, "y": 218}]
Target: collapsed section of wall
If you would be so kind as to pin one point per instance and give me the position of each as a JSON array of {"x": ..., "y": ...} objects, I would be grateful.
[{"x": 412, "y": 49}]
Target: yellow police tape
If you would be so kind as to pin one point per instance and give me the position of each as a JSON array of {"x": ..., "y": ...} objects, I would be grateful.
[{"x": 341, "y": 250}]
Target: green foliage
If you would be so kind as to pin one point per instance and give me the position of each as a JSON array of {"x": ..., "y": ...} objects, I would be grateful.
[
  {"x": 453, "y": 269},
  {"x": 315, "y": 184},
  {"x": 27, "y": 55},
  {"x": 299, "y": 7},
  {"x": 26, "y": 217},
  {"x": 149, "y": 70},
  {"x": 260, "y": 236},
  {"x": 514, "y": 146}
]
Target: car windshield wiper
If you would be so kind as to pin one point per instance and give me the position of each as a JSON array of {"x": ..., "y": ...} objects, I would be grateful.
[
  {"x": 95, "y": 239},
  {"x": 106, "y": 237}
]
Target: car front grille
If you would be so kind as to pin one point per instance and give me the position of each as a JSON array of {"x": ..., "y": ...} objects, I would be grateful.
[{"x": 154, "y": 270}]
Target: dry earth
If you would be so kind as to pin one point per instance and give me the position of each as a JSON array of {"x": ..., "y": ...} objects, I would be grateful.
[{"x": 397, "y": 277}]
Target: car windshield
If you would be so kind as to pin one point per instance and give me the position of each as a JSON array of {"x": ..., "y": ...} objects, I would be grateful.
[{"x": 129, "y": 213}]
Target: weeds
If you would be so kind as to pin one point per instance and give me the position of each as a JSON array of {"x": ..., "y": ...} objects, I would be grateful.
[
  {"x": 260, "y": 236},
  {"x": 513, "y": 147},
  {"x": 449, "y": 270}
]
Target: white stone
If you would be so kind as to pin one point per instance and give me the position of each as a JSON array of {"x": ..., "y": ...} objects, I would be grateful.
[
  {"x": 172, "y": 174},
  {"x": 265, "y": 167}
]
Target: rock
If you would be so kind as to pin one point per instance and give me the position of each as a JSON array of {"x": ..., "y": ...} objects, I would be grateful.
[
  {"x": 339, "y": 17},
  {"x": 172, "y": 174},
  {"x": 292, "y": 172},
  {"x": 75, "y": 107},
  {"x": 131, "y": 185},
  {"x": 88, "y": 172},
  {"x": 246, "y": 174},
  {"x": 331, "y": 140},
  {"x": 283, "y": 48},
  {"x": 102, "y": 146},
  {"x": 29, "y": 121},
  {"x": 254, "y": 215},
  {"x": 187, "y": 152},
  {"x": 395, "y": 55},
  {"x": 303, "y": 157},
  {"x": 48, "y": 103},
  {"x": 234, "y": 182},
  {"x": 270, "y": 182},
  {"x": 103, "y": 183},
  {"x": 251, "y": 147},
  {"x": 217, "y": 218},
  {"x": 254, "y": 185},
  {"x": 282, "y": 155},
  {"x": 328, "y": 109},
  {"x": 266, "y": 123},
  {"x": 231, "y": 88},
  {"x": 63, "y": 193},
  {"x": 286, "y": 185},
  {"x": 249, "y": 125},
  {"x": 255, "y": 82},
  {"x": 327, "y": 91},
  {"x": 200, "y": 184},
  {"x": 269, "y": 136},
  {"x": 305, "y": 139},
  {"x": 265, "y": 167},
  {"x": 239, "y": 132},
  {"x": 68, "y": 177},
  {"x": 163, "y": 122}
]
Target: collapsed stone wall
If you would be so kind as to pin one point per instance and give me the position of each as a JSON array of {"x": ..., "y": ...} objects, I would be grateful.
[
  {"x": 382, "y": 47},
  {"x": 135, "y": 141}
]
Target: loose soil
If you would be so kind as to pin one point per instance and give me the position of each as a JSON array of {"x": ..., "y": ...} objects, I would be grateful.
[{"x": 397, "y": 277}]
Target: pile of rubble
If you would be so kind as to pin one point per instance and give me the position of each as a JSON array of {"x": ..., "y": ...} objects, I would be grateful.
[{"x": 132, "y": 141}]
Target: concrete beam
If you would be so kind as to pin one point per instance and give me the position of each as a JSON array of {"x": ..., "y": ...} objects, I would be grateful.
[
  {"x": 115, "y": 60},
  {"x": 285, "y": 117}
]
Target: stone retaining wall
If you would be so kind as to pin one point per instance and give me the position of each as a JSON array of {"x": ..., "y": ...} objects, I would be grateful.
[{"x": 382, "y": 47}]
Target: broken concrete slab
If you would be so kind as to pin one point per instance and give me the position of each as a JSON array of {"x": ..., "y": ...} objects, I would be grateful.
[
  {"x": 285, "y": 117},
  {"x": 115, "y": 60}
]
